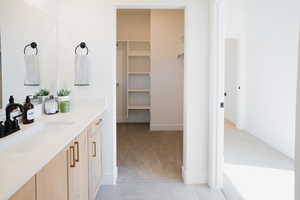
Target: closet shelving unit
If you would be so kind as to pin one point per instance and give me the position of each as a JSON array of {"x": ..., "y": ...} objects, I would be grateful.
[{"x": 138, "y": 76}]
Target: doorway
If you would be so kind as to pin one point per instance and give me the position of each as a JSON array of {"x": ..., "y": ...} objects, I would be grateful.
[
  {"x": 252, "y": 161},
  {"x": 231, "y": 81},
  {"x": 150, "y": 54}
]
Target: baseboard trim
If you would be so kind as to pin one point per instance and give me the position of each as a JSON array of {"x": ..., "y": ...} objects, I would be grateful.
[
  {"x": 190, "y": 178},
  {"x": 110, "y": 178},
  {"x": 166, "y": 127}
]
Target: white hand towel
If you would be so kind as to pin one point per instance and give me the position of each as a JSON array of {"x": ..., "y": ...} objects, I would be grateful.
[
  {"x": 32, "y": 70},
  {"x": 81, "y": 70}
]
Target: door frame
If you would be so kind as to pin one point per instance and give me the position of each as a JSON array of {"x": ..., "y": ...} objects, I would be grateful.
[
  {"x": 181, "y": 6},
  {"x": 297, "y": 146},
  {"x": 216, "y": 97},
  {"x": 216, "y": 83}
]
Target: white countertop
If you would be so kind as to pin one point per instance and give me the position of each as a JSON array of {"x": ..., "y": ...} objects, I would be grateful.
[{"x": 24, "y": 153}]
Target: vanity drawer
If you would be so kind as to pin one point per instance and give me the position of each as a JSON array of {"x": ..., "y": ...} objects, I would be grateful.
[{"x": 96, "y": 124}]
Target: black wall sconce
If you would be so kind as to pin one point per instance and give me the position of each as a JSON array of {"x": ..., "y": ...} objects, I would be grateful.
[
  {"x": 33, "y": 45},
  {"x": 82, "y": 45}
]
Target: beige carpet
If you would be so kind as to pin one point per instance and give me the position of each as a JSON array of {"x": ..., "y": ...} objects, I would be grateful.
[{"x": 148, "y": 156}]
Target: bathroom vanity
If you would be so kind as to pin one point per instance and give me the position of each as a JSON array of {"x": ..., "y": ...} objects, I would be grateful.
[{"x": 58, "y": 157}]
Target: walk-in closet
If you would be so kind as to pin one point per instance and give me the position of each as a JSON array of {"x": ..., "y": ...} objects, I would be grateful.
[{"x": 150, "y": 64}]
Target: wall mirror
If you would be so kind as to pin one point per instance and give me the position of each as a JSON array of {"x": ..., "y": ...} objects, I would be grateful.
[{"x": 21, "y": 23}]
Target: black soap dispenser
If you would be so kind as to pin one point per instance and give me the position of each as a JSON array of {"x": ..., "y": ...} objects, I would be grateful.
[
  {"x": 28, "y": 114},
  {"x": 11, "y": 109}
]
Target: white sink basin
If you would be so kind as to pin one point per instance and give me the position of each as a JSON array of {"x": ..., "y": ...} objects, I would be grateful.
[{"x": 31, "y": 137}]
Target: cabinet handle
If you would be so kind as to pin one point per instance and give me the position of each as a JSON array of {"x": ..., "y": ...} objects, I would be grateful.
[
  {"x": 77, "y": 151},
  {"x": 72, "y": 156},
  {"x": 98, "y": 122},
  {"x": 95, "y": 149}
]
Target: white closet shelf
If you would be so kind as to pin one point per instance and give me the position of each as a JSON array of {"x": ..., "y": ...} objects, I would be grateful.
[
  {"x": 139, "y": 107},
  {"x": 138, "y": 90},
  {"x": 138, "y": 40},
  {"x": 138, "y": 73},
  {"x": 139, "y": 55}
]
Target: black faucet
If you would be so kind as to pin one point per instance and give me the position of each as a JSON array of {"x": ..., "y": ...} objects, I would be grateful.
[{"x": 10, "y": 126}]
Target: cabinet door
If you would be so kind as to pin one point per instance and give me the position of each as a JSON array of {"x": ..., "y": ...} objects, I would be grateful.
[
  {"x": 26, "y": 192},
  {"x": 99, "y": 157},
  {"x": 92, "y": 166},
  {"x": 52, "y": 180},
  {"x": 78, "y": 168},
  {"x": 95, "y": 159},
  {"x": 84, "y": 167}
]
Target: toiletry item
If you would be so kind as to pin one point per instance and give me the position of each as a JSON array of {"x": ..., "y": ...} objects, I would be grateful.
[
  {"x": 51, "y": 106},
  {"x": 38, "y": 110},
  {"x": 13, "y": 110},
  {"x": 64, "y": 106},
  {"x": 11, "y": 101},
  {"x": 38, "y": 107},
  {"x": 28, "y": 114}
]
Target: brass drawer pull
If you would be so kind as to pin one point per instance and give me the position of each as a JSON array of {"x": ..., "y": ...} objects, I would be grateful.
[
  {"x": 99, "y": 122},
  {"x": 95, "y": 149},
  {"x": 72, "y": 156},
  {"x": 77, "y": 151}
]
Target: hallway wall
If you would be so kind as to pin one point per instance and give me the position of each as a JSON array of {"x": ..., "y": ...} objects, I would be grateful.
[{"x": 269, "y": 68}]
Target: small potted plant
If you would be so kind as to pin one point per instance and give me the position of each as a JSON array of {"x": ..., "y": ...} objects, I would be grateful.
[
  {"x": 64, "y": 100},
  {"x": 42, "y": 94}
]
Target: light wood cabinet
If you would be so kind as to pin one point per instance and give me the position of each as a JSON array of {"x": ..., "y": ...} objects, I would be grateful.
[
  {"x": 27, "y": 192},
  {"x": 78, "y": 168},
  {"x": 52, "y": 180},
  {"x": 95, "y": 158},
  {"x": 74, "y": 174}
]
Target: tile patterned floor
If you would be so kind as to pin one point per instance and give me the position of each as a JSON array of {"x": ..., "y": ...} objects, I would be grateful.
[
  {"x": 254, "y": 170},
  {"x": 150, "y": 168}
]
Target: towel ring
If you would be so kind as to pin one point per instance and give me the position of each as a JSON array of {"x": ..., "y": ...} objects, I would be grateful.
[
  {"x": 82, "y": 45},
  {"x": 33, "y": 45}
]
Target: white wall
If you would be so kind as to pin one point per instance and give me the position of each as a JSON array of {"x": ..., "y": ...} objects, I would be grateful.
[
  {"x": 167, "y": 30},
  {"x": 94, "y": 22},
  {"x": 22, "y": 22},
  {"x": 269, "y": 65},
  {"x": 297, "y": 163}
]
